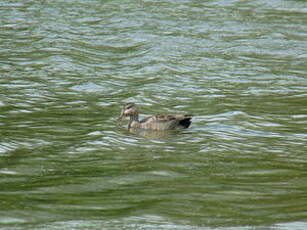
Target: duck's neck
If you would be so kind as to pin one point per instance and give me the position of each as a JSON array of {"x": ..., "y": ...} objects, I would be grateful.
[{"x": 133, "y": 118}]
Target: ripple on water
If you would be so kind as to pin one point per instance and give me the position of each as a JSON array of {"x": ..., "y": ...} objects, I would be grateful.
[{"x": 63, "y": 83}]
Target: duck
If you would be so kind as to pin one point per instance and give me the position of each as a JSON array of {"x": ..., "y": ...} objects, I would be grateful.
[{"x": 155, "y": 122}]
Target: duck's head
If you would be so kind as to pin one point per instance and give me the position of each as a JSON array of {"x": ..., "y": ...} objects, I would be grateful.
[{"x": 129, "y": 110}]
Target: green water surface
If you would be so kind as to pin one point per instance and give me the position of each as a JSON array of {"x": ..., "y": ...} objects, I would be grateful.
[{"x": 68, "y": 66}]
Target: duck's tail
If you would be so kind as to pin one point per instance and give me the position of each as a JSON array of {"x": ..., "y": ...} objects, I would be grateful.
[{"x": 186, "y": 121}]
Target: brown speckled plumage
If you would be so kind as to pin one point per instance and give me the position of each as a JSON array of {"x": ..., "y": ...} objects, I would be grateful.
[{"x": 156, "y": 122}]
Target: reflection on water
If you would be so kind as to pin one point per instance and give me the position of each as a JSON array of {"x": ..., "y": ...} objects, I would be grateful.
[
  {"x": 67, "y": 67},
  {"x": 159, "y": 135}
]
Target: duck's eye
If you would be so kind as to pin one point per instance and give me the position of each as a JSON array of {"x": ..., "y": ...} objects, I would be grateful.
[{"x": 129, "y": 106}]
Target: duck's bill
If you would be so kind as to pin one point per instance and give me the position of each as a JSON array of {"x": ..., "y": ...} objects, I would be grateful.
[{"x": 121, "y": 117}]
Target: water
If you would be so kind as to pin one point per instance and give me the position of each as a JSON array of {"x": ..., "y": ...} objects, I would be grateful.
[{"x": 67, "y": 67}]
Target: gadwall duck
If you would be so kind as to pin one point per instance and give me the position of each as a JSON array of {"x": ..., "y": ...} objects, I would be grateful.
[{"x": 156, "y": 122}]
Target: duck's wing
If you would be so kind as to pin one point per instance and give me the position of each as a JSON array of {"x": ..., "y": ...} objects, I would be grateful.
[
  {"x": 158, "y": 118},
  {"x": 165, "y": 122}
]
